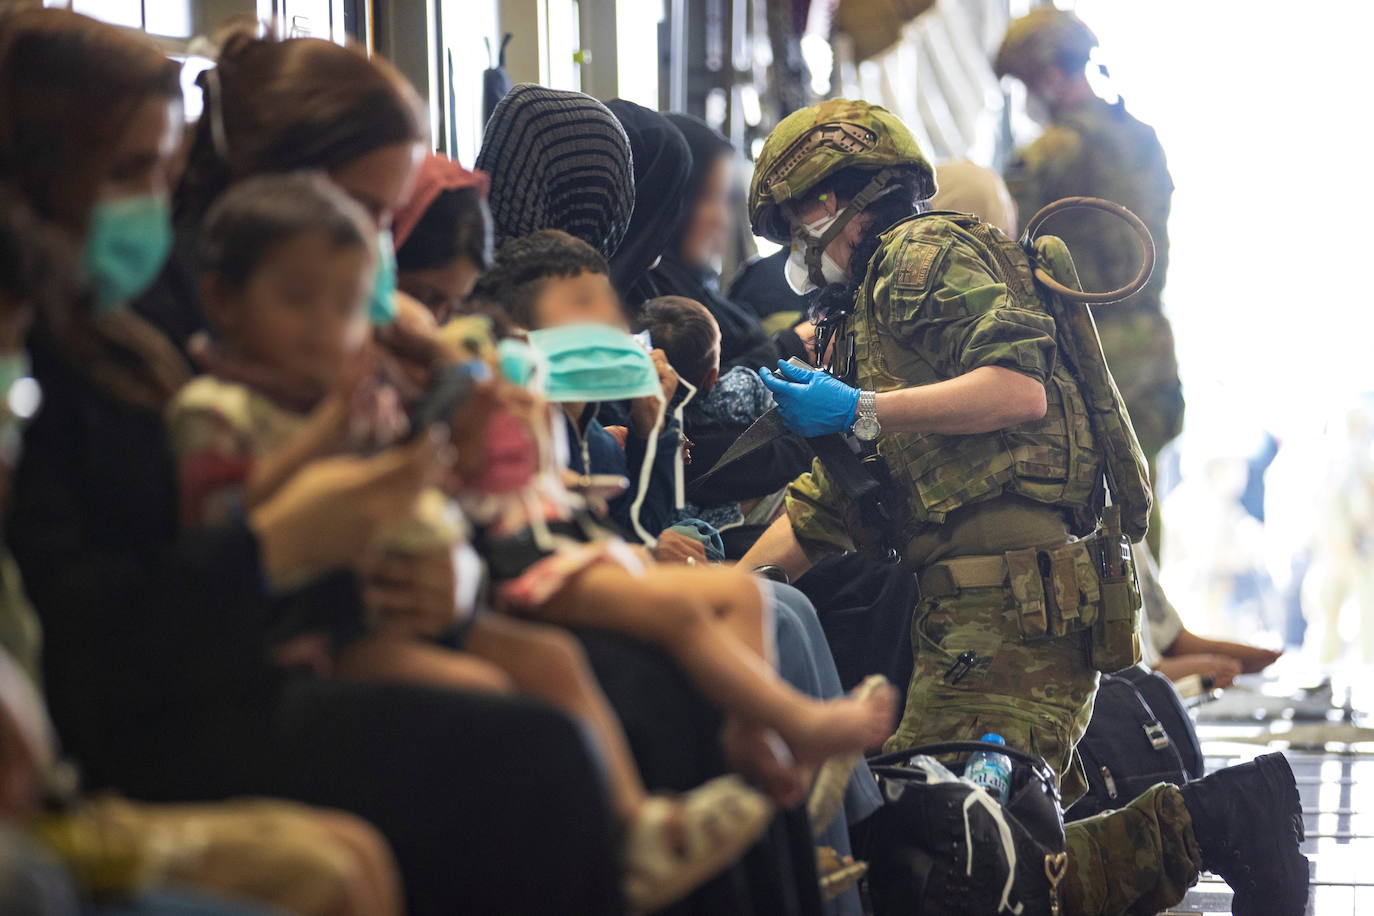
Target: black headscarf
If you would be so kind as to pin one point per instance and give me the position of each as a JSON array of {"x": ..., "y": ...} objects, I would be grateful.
[
  {"x": 663, "y": 166},
  {"x": 742, "y": 340},
  {"x": 558, "y": 160}
]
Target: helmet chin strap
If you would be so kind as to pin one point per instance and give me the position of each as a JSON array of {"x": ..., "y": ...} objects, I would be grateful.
[{"x": 880, "y": 184}]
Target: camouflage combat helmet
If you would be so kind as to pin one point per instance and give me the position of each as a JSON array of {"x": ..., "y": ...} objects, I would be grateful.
[
  {"x": 1044, "y": 37},
  {"x": 812, "y": 144}
]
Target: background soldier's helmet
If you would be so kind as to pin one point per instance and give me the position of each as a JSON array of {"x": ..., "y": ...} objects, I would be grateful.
[
  {"x": 1042, "y": 38},
  {"x": 813, "y": 143}
]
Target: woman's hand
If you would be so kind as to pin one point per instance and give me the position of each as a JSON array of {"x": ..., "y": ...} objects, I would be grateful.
[
  {"x": 676, "y": 547},
  {"x": 413, "y": 338},
  {"x": 326, "y": 514},
  {"x": 412, "y": 594},
  {"x": 645, "y": 413}
]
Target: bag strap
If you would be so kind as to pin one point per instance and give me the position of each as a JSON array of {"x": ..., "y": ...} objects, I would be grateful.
[
  {"x": 1037, "y": 764},
  {"x": 1152, "y": 726}
]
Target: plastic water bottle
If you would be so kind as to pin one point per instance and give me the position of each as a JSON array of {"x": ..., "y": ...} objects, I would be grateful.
[{"x": 991, "y": 770}]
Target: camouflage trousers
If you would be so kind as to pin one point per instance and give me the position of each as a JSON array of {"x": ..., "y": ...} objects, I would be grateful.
[{"x": 1038, "y": 696}]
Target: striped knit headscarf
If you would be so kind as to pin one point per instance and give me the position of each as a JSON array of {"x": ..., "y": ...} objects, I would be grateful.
[{"x": 558, "y": 160}]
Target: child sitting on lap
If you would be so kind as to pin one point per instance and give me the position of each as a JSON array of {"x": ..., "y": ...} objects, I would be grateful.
[{"x": 288, "y": 270}]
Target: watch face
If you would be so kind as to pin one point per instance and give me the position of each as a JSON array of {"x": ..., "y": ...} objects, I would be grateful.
[{"x": 867, "y": 428}]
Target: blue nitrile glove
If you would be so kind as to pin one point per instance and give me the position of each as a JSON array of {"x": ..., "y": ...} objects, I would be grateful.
[{"x": 812, "y": 402}]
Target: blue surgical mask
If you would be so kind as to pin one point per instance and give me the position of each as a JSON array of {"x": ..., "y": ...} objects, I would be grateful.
[
  {"x": 127, "y": 243},
  {"x": 594, "y": 362},
  {"x": 382, "y": 306}
]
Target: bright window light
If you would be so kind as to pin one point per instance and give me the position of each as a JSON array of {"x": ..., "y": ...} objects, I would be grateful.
[{"x": 636, "y": 40}]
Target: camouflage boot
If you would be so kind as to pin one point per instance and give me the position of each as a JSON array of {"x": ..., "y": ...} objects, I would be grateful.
[{"x": 1248, "y": 824}]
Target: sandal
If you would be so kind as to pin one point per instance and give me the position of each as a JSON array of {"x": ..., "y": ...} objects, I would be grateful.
[
  {"x": 837, "y": 875},
  {"x": 832, "y": 778},
  {"x": 719, "y": 821}
]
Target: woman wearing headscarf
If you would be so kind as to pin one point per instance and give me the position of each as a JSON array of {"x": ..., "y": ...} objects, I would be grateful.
[
  {"x": 155, "y": 660},
  {"x": 662, "y": 170},
  {"x": 575, "y": 139},
  {"x": 442, "y": 235},
  {"x": 696, "y": 244},
  {"x": 557, "y": 160},
  {"x": 540, "y": 147}
]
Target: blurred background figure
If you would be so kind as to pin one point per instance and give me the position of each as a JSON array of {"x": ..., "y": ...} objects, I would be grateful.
[
  {"x": 970, "y": 188},
  {"x": 1339, "y": 589},
  {"x": 1095, "y": 148}
]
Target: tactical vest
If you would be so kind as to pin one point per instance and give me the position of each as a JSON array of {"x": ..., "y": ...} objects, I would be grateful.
[{"x": 1053, "y": 460}]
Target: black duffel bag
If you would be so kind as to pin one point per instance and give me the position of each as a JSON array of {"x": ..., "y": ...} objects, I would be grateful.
[
  {"x": 1140, "y": 735},
  {"x": 933, "y": 850}
]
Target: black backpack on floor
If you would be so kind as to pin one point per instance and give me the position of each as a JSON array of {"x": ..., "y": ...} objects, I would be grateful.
[
  {"x": 1139, "y": 735},
  {"x": 930, "y": 853}
]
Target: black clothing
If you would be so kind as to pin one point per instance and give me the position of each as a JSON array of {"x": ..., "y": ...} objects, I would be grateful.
[
  {"x": 662, "y": 163},
  {"x": 158, "y": 681},
  {"x": 157, "y": 678},
  {"x": 491, "y": 804},
  {"x": 763, "y": 472},
  {"x": 172, "y": 304},
  {"x": 865, "y": 607},
  {"x": 675, "y": 740},
  {"x": 742, "y": 341},
  {"x": 760, "y": 284}
]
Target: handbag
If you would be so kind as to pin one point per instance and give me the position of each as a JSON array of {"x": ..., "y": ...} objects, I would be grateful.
[
  {"x": 944, "y": 847},
  {"x": 1140, "y": 735}
]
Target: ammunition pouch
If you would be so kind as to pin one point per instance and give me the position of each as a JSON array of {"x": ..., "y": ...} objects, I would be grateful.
[{"x": 1086, "y": 586}]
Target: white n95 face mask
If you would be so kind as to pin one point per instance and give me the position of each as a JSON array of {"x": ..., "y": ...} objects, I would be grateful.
[{"x": 796, "y": 272}]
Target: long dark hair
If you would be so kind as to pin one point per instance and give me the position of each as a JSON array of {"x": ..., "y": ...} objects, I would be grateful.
[
  {"x": 283, "y": 106},
  {"x": 879, "y": 216},
  {"x": 68, "y": 86},
  {"x": 456, "y": 225}
]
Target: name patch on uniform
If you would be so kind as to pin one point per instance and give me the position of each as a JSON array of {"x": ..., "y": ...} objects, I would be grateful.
[{"x": 918, "y": 261}]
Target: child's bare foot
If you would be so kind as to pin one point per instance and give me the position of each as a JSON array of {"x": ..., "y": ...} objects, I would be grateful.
[
  {"x": 843, "y": 726},
  {"x": 827, "y": 792},
  {"x": 761, "y": 756}
]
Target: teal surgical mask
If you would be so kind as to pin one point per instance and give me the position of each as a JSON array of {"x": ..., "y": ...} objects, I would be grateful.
[
  {"x": 127, "y": 243},
  {"x": 13, "y": 367},
  {"x": 594, "y": 362},
  {"x": 18, "y": 402},
  {"x": 382, "y": 306},
  {"x": 522, "y": 364}
]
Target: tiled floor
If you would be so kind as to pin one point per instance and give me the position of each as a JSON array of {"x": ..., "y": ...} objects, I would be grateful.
[{"x": 1335, "y": 781}]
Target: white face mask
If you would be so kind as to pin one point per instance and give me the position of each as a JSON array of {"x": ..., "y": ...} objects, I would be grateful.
[{"x": 796, "y": 272}]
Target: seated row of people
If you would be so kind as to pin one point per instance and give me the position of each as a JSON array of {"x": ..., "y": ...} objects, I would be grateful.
[
  {"x": 331, "y": 499},
  {"x": 288, "y": 537}
]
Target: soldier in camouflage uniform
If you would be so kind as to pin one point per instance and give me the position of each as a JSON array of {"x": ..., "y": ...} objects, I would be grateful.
[
  {"x": 985, "y": 434},
  {"x": 1097, "y": 149}
]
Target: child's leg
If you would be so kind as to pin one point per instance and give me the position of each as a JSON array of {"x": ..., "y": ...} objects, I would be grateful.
[
  {"x": 741, "y": 602},
  {"x": 547, "y": 663},
  {"x": 668, "y": 613},
  {"x": 672, "y": 844},
  {"x": 381, "y": 657}
]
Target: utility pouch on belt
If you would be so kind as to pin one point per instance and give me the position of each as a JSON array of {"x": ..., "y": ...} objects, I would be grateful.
[
  {"x": 1113, "y": 642},
  {"x": 1085, "y": 587}
]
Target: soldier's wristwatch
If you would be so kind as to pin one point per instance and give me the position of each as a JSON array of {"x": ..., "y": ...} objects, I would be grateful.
[{"x": 866, "y": 427}]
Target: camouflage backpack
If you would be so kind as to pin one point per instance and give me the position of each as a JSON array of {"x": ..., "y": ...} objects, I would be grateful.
[{"x": 1127, "y": 472}]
